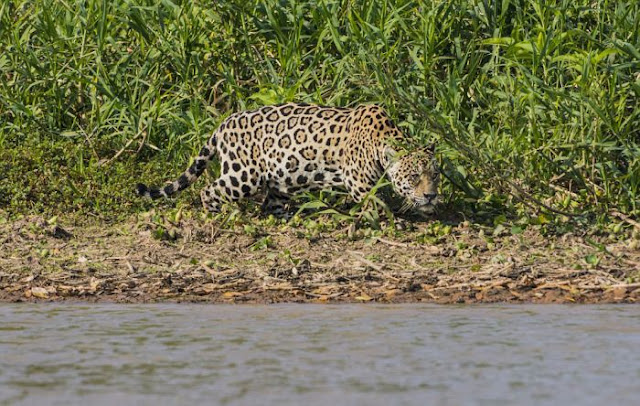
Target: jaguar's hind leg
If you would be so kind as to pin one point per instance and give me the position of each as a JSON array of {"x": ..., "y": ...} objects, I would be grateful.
[
  {"x": 224, "y": 191},
  {"x": 276, "y": 203},
  {"x": 213, "y": 197}
]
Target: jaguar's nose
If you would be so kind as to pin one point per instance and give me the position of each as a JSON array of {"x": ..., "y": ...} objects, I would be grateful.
[{"x": 430, "y": 197}]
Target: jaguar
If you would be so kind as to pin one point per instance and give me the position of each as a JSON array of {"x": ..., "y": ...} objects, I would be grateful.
[{"x": 279, "y": 151}]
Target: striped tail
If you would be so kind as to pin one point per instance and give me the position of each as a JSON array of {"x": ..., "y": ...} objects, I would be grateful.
[{"x": 188, "y": 177}]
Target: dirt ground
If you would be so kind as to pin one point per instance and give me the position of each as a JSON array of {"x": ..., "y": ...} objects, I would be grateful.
[{"x": 202, "y": 262}]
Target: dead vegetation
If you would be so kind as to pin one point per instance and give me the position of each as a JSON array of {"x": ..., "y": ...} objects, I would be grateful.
[{"x": 197, "y": 260}]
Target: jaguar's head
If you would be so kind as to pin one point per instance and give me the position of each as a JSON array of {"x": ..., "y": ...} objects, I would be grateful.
[{"x": 415, "y": 176}]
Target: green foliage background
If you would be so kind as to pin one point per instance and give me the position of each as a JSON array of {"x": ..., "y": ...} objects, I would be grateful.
[{"x": 534, "y": 100}]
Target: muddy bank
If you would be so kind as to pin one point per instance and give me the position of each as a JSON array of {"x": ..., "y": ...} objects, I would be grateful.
[{"x": 197, "y": 260}]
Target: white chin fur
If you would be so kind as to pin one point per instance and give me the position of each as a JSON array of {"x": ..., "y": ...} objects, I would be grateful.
[{"x": 428, "y": 209}]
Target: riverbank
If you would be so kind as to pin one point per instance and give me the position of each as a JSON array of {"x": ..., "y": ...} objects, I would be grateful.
[{"x": 195, "y": 259}]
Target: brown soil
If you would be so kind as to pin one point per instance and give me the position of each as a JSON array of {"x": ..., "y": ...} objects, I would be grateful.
[{"x": 125, "y": 263}]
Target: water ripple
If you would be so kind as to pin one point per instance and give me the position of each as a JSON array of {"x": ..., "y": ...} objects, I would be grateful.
[{"x": 294, "y": 354}]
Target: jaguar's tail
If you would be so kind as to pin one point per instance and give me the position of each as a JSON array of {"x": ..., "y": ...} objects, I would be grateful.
[{"x": 188, "y": 177}]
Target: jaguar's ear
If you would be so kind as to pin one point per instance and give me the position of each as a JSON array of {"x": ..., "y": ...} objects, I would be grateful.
[{"x": 391, "y": 154}]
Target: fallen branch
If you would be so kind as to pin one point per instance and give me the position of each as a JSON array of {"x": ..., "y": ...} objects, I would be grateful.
[
  {"x": 626, "y": 218},
  {"x": 365, "y": 261},
  {"x": 392, "y": 243}
]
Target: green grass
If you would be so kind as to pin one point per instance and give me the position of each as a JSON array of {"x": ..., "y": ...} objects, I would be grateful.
[{"x": 535, "y": 104}]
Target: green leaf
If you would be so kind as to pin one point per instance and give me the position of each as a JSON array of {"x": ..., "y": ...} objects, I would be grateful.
[
  {"x": 499, "y": 230},
  {"x": 592, "y": 259}
]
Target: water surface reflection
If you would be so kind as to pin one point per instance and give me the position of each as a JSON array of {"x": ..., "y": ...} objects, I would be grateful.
[{"x": 318, "y": 354}]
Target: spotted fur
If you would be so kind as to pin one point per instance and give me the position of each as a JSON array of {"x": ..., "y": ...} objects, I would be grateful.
[{"x": 286, "y": 149}]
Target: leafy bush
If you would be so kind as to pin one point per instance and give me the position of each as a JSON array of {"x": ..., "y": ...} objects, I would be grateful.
[{"x": 533, "y": 100}]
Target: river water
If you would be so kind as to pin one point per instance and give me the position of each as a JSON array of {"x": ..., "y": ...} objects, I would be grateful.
[{"x": 62, "y": 354}]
